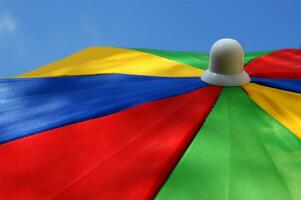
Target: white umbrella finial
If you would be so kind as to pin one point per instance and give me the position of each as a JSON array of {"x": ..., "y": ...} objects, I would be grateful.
[{"x": 226, "y": 67}]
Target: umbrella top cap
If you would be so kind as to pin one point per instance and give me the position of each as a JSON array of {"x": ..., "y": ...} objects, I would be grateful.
[{"x": 226, "y": 66}]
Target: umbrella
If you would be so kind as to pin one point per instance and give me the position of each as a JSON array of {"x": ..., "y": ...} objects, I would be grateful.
[{"x": 117, "y": 123}]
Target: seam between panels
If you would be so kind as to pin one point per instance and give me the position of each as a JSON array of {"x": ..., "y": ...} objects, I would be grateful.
[
  {"x": 275, "y": 87},
  {"x": 92, "y": 169},
  {"x": 190, "y": 142},
  {"x": 210, "y": 109},
  {"x": 95, "y": 74},
  {"x": 271, "y": 116},
  {"x": 169, "y": 60},
  {"x": 230, "y": 150},
  {"x": 96, "y": 115},
  {"x": 258, "y": 106},
  {"x": 166, "y": 176},
  {"x": 276, "y": 165},
  {"x": 276, "y": 120},
  {"x": 251, "y": 60}
]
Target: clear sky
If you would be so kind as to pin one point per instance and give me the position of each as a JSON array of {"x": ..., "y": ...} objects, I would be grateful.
[{"x": 34, "y": 33}]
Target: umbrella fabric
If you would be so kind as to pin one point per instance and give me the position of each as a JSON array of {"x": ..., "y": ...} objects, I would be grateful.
[
  {"x": 293, "y": 85},
  {"x": 198, "y": 60},
  {"x": 77, "y": 98},
  {"x": 124, "y": 155},
  {"x": 113, "y": 123},
  {"x": 107, "y": 60},
  {"x": 282, "y": 105},
  {"x": 239, "y": 153},
  {"x": 279, "y": 64}
]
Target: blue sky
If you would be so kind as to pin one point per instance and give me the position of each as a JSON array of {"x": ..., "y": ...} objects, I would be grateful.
[{"x": 34, "y": 33}]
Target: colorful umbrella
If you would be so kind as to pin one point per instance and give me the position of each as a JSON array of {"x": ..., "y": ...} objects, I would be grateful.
[{"x": 116, "y": 123}]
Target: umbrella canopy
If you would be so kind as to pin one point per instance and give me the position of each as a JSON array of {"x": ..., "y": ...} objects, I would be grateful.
[{"x": 116, "y": 123}]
